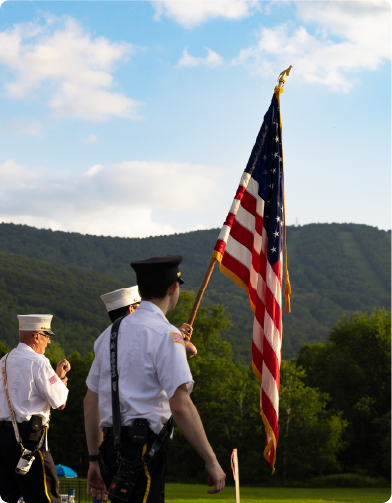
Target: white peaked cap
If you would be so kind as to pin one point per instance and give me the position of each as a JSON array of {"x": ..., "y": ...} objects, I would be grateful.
[
  {"x": 121, "y": 298},
  {"x": 31, "y": 322}
]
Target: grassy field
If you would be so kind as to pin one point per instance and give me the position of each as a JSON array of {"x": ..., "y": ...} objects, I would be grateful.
[
  {"x": 192, "y": 493},
  {"x": 179, "y": 493}
]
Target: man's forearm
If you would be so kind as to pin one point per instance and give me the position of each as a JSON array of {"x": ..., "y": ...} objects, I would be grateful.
[
  {"x": 188, "y": 420},
  {"x": 64, "y": 380},
  {"x": 94, "y": 435}
]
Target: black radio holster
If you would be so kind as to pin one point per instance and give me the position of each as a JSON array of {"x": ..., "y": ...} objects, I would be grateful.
[{"x": 35, "y": 429}]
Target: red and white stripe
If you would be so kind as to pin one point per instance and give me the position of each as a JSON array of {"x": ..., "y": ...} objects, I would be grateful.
[{"x": 241, "y": 250}]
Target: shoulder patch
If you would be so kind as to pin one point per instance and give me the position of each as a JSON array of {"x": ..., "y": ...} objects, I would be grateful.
[
  {"x": 53, "y": 379},
  {"x": 178, "y": 338}
]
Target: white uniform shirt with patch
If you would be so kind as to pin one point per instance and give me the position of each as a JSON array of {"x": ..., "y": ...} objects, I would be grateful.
[
  {"x": 33, "y": 386},
  {"x": 151, "y": 362}
]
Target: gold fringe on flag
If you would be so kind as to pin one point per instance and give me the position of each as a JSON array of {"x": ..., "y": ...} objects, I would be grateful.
[{"x": 287, "y": 289}]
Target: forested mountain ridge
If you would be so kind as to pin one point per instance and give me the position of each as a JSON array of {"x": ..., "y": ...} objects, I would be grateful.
[
  {"x": 71, "y": 295},
  {"x": 334, "y": 269}
]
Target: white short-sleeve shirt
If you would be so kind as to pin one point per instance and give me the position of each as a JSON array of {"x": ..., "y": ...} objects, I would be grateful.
[
  {"x": 152, "y": 364},
  {"x": 33, "y": 386}
]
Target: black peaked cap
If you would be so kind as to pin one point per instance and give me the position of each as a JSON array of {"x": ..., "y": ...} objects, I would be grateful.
[{"x": 156, "y": 270}]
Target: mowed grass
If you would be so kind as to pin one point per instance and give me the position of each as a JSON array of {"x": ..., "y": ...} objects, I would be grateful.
[{"x": 186, "y": 493}]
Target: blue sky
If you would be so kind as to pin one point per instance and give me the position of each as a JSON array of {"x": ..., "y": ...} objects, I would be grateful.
[{"x": 137, "y": 118}]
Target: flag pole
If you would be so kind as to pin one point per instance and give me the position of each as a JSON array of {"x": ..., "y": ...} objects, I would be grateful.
[{"x": 199, "y": 296}]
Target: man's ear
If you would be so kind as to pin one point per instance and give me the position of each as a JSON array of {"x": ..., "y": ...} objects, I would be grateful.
[
  {"x": 130, "y": 309},
  {"x": 173, "y": 288}
]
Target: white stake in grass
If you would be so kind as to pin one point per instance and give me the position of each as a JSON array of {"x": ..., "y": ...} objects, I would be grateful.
[{"x": 234, "y": 467}]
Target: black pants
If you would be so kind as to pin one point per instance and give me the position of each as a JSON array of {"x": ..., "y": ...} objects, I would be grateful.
[
  {"x": 39, "y": 485},
  {"x": 150, "y": 483}
]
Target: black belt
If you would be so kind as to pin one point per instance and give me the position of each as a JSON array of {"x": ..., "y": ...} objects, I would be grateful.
[
  {"x": 126, "y": 431},
  {"x": 8, "y": 424}
]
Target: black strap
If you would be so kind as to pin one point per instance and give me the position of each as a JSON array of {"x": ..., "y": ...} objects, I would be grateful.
[
  {"x": 167, "y": 429},
  {"x": 115, "y": 391}
]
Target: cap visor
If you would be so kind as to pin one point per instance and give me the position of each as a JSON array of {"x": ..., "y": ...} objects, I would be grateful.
[
  {"x": 181, "y": 281},
  {"x": 48, "y": 332}
]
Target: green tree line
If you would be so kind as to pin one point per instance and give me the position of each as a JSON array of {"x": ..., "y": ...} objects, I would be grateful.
[{"x": 335, "y": 269}]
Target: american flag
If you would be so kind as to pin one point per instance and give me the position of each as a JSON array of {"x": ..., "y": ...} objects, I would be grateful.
[
  {"x": 178, "y": 338},
  {"x": 53, "y": 380},
  {"x": 250, "y": 252}
]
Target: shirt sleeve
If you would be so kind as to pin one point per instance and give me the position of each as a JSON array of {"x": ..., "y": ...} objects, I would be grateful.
[
  {"x": 92, "y": 380},
  {"x": 171, "y": 363},
  {"x": 93, "y": 377},
  {"x": 50, "y": 387}
]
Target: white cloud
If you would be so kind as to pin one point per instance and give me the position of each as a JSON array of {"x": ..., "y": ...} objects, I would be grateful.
[
  {"x": 23, "y": 127},
  {"x": 10, "y": 172},
  {"x": 119, "y": 199},
  {"x": 131, "y": 223},
  {"x": 212, "y": 59},
  {"x": 349, "y": 37},
  {"x": 91, "y": 138},
  {"x": 64, "y": 62},
  {"x": 190, "y": 13},
  {"x": 175, "y": 186}
]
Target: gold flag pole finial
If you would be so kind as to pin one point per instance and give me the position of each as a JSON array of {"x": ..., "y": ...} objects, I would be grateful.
[
  {"x": 283, "y": 75},
  {"x": 281, "y": 80}
]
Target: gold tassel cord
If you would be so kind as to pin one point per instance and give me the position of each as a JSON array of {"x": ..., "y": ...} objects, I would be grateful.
[{"x": 287, "y": 289}]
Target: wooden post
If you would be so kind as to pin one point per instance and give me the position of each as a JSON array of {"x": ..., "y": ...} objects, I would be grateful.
[
  {"x": 196, "y": 304},
  {"x": 234, "y": 466}
]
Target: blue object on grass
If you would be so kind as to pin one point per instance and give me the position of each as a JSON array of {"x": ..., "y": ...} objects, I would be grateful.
[{"x": 65, "y": 471}]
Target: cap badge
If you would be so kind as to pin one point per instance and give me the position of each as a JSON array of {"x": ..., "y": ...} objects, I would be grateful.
[{"x": 178, "y": 274}]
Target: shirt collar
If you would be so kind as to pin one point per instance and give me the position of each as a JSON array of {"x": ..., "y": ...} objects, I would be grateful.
[
  {"x": 25, "y": 347},
  {"x": 149, "y": 306}
]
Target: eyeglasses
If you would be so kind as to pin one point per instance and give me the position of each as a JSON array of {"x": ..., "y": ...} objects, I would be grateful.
[{"x": 48, "y": 336}]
